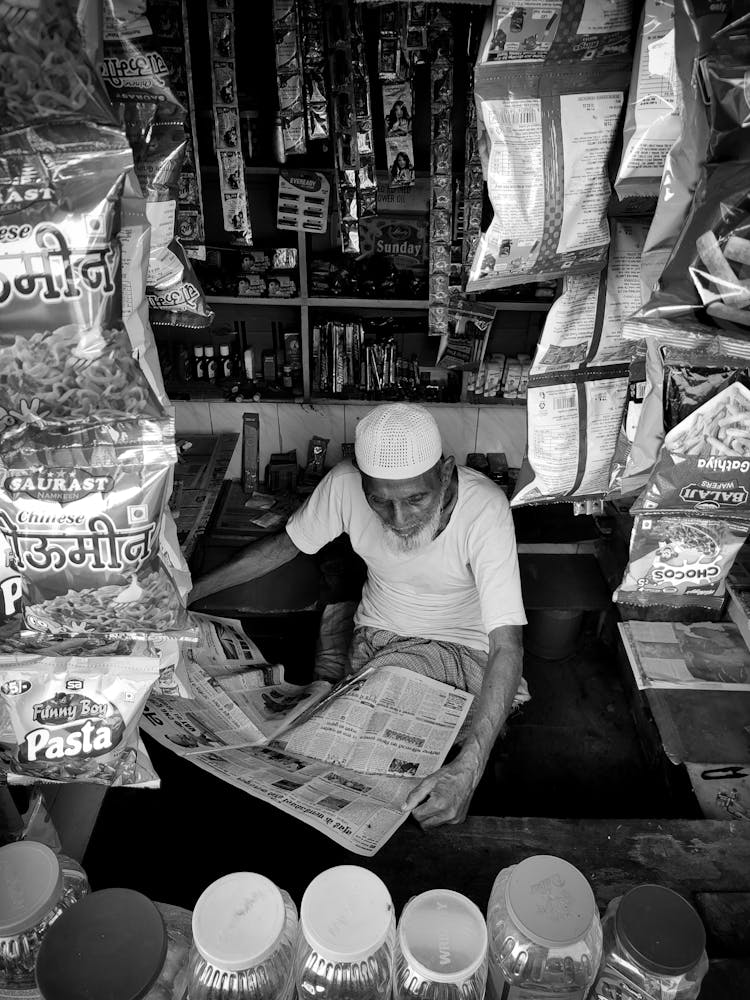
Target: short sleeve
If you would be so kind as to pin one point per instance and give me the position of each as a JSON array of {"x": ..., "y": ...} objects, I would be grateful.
[
  {"x": 320, "y": 519},
  {"x": 494, "y": 562}
]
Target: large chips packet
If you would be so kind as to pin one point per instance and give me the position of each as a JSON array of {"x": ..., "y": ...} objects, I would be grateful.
[
  {"x": 704, "y": 464},
  {"x": 680, "y": 561},
  {"x": 82, "y": 513},
  {"x": 75, "y": 718}
]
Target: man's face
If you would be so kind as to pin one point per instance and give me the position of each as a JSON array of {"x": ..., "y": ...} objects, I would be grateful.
[{"x": 410, "y": 509}]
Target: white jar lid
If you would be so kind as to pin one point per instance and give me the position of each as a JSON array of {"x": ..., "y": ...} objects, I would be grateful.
[
  {"x": 550, "y": 901},
  {"x": 346, "y": 913},
  {"x": 442, "y": 936},
  {"x": 238, "y": 920}
]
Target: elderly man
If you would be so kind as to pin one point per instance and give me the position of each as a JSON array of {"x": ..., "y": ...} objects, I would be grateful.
[{"x": 442, "y": 594}]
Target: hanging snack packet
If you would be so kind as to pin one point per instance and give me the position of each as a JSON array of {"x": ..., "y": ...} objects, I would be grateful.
[
  {"x": 679, "y": 561},
  {"x": 82, "y": 513},
  {"x": 584, "y": 325},
  {"x": 545, "y": 135},
  {"x": 76, "y": 718},
  {"x": 652, "y": 120},
  {"x": 704, "y": 465},
  {"x": 692, "y": 378},
  {"x": 573, "y": 429}
]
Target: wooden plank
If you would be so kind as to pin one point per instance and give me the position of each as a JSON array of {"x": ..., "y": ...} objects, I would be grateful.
[
  {"x": 722, "y": 790},
  {"x": 703, "y": 725},
  {"x": 689, "y": 856},
  {"x": 727, "y": 919}
]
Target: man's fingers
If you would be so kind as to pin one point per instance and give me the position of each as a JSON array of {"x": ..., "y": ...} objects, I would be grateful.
[{"x": 418, "y": 794}]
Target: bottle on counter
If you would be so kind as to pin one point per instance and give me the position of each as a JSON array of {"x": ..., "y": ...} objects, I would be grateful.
[
  {"x": 226, "y": 362},
  {"x": 545, "y": 936},
  {"x": 346, "y": 939},
  {"x": 654, "y": 945},
  {"x": 210, "y": 363},
  {"x": 441, "y": 949},
  {"x": 249, "y": 362},
  {"x": 244, "y": 935},
  {"x": 185, "y": 364},
  {"x": 116, "y": 944},
  {"x": 36, "y": 887},
  {"x": 199, "y": 364}
]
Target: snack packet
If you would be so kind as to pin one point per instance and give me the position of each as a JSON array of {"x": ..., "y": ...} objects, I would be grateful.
[
  {"x": 680, "y": 561},
  {"x": 76, "y": 718},
  {"x": 82, "y": 513},
  {"x": 704, "y": 464}
]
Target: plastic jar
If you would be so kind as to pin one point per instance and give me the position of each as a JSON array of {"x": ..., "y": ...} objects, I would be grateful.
[
  {"x": 116, "y": 944},
  {"x": 347, "y": 933},
  {"x": 545, "y": 937},
  {"x": 441, "y": 949},
  {"x": 244, "y": 935},
  {"x": 35, "y": 888},
  {"x": 654, "y": 945}
]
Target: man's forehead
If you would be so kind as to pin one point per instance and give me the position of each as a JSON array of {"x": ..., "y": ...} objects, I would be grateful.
[{"x": 424, "y": 483}]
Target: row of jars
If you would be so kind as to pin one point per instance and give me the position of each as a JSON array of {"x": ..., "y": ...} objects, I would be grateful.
[{"x": 542, "y": 937}]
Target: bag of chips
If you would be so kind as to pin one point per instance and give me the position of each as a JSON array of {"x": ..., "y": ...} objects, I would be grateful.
[
  {"x": 652, "y": 121},
  {"x": 704, "y": 464},
  {"x": 545, "y": 136},
  {"x": 679, "y": 561},
  {"x": 76, "y": 719},
  {"x": 82, "y": 513}
]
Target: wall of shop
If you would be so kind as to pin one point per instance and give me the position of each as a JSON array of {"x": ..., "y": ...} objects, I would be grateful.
[{"x": 283, "y": 426}]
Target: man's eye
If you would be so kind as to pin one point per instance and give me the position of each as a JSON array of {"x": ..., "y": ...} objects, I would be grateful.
[{"x": 416, "y": 500}]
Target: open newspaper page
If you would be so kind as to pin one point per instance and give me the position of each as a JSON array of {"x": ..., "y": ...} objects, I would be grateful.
[{"x": 710, "y": 656}]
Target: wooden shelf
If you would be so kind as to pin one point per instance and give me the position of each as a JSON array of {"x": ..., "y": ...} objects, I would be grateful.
[
  {"x": 246, "y": 300},
  {"x": 337, "y": 302},
  {"x": 336, "y": 401}
]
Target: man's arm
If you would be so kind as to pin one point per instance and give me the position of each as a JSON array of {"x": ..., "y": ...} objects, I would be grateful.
[
  {"x": 255, "y": 560},
  {"x": 446, "y": 794}
]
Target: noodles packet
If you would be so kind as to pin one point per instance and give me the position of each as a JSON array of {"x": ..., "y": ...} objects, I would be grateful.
[
  {"x": 83, "y": 515},
  {"x": 678, "y": 561},
  {"x": 704, "y": 464},
  {"x": 76, "y": 718}
]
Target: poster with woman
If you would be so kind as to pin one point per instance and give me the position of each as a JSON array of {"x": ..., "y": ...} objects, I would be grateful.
[{"x": 397, "y": 108}]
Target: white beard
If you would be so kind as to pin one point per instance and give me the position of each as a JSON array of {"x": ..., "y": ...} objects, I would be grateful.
[{"x": 402, "y": 544}]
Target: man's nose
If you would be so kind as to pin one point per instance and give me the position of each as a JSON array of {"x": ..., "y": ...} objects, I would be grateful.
[{"x": 400, "y": 516}]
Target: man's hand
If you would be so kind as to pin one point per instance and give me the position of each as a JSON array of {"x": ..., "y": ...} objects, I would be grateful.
[{"x": 444, "y": 795}]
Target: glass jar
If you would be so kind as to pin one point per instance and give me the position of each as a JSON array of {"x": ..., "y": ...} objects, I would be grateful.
[
  {"x": 244, "y": 934},
  {"x": 654, "y": 947},
  {"x": 545, "y": 937},
  {"x": 116, "y": 944},
  {"x": 347, "y": 932},
  {"x": 441, "y": 949},
  {"x": 35, "y": 888}
]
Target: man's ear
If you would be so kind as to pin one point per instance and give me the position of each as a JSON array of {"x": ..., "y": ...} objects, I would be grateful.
[{"x": 449, "y": 464}]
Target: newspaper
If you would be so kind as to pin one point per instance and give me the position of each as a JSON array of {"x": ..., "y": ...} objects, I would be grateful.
[
  {"x": 343, "y": 759},
  {"x": 704, "y": 655}
]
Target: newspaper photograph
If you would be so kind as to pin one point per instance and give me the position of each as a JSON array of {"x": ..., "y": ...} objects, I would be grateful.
[
  {"x": 343, "y": 759},
  {"x": 703, "y": 655}
]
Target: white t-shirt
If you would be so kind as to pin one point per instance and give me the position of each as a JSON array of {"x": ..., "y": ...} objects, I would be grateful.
[{"x": 456, "y": 589}]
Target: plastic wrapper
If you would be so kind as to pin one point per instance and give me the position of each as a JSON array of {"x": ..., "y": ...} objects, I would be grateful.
[
  {"x": 82, "y": 514},
  {"x": 556, "y": 30},
  {"x": 469, "y": 326},
  {"x": 545, "y": 136},
  {"x": 678, "y": 561},
  {"x": 76, "y": 719},
  {"x": 584, "y": 325},
  {"x": 692, "y": 379},
  {"x": 652, "y": 118},
  {"x": 704, "y": 464},
  {"x": 573, "y": 427}
]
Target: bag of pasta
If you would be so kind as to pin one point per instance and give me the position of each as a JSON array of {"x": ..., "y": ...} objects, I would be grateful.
[
  {"x": 704, "y": 464},
  {"x": 83, "y": 513},
  {"x": 76, "y": 718},
  {"x": 678, "y": 561}
]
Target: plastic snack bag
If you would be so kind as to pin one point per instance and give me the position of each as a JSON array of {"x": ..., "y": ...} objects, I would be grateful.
[
  {"x": 704, "y": 464},
  {"x": 82, "y": 514},
  {"x": 545, "y": 135},
  {"x": 678, "y": 561},
  {"x": 76, "y": 719}
]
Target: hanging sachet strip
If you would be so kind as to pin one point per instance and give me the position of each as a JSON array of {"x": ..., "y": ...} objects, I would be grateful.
[
  {"x": 312, "y": 26},
  {"x": 226, "y": 112},
  {"x": 440, "y": 43},
  {"x": 397, "y": 97},
  {"x": 289, "y": 80}
]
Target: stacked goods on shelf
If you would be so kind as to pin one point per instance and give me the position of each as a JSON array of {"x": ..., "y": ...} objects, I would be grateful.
[
  {"x": 86, "y": 444},
  {"x": 268, "y": 272},
  {"x": 150, "y": 107}
]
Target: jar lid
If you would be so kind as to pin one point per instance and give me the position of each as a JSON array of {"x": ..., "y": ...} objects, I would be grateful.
[
  {"x": 443, "y": 936},
  {"x": 238, "y": 920},
  {"x": 346, "y": 913},
  {"x": 30, "y": 881},
  {"x": 550, "y": 901},
  {"x": 661, "y": 929},
  {"x": 109, "y": 946}
]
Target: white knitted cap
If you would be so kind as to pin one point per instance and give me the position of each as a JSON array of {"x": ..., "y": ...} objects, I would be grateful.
[{"x": 397, "y": 441}]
